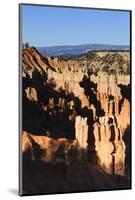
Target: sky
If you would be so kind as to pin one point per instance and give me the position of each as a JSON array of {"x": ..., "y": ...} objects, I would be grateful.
[{"x": 52, "y": 26}]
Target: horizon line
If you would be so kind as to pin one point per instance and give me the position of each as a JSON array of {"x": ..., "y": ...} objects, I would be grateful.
[{"x": 59, "y": 45}]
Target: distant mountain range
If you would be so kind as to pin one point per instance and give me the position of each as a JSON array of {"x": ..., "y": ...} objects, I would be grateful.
[{"x": 72, "y": 50}]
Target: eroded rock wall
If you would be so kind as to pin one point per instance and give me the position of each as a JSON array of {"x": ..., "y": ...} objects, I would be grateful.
[{"x": 89, "y": 106}]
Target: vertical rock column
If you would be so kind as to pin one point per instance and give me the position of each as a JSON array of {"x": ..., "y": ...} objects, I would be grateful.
[
  {"x": 81, "y": 134},
  {"x": 106, "y": 148},
  {"x": 119, "y": 155}
]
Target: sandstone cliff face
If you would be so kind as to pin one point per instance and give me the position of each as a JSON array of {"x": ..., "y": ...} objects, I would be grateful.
[
  {"x": 83, "y": 111},
  {"x": 109, "y": 145}
]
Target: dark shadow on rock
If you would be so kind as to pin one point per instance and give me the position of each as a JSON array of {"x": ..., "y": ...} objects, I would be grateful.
[
  {"x": 127, "y": 140},
  {"x": 90, "y": 89},
  {"x": 57, "y": 177},
  {"x": 125, "y": 91},
  {"x": 126, "y": 94}
]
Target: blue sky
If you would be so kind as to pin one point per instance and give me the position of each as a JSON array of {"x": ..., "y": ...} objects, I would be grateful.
[{"x": 50, "y": 26}]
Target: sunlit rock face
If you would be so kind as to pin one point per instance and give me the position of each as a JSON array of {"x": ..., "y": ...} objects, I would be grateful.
[
  {"x": 45, "y": 148},
  {"x": 31, "y": 94},
  {"x": 69, "y": 111},
  {"x": 109, "y": 145},
  {"x": 81, "y": 131}
]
